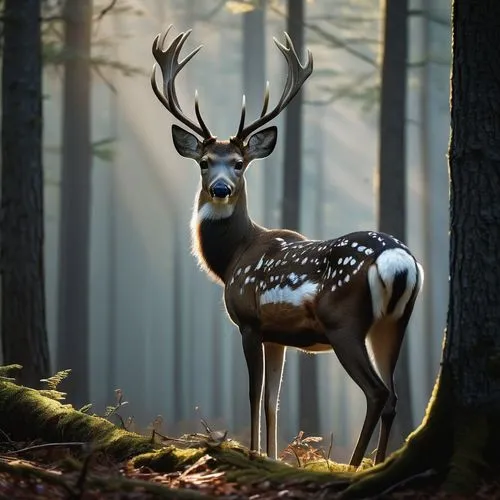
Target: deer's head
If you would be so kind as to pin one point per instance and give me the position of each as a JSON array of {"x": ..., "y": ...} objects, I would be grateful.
[{"x": 222, "y": 162}]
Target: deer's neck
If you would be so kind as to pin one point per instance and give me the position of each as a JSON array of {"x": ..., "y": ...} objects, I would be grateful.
[{"x": 221, "y": 232}]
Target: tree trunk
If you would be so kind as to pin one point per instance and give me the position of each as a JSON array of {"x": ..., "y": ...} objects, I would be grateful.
[
  {"x": 459, "y": 437},
  {"x": 73, "y": 321},
  {"x": 392, "y": 170},
  {"x": 292, "y": 177},
  {"x": 24, "y": 333}
]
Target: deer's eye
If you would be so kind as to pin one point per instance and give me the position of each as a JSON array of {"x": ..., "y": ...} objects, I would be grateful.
[
  {"x": 203, "y": 164},
  {"x": 238, "y": 165}
]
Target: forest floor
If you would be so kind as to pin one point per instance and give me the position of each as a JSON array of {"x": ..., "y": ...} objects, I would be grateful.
[{"x": 58, "y": 471}]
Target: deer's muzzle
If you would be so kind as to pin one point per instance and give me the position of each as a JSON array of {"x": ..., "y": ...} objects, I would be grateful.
[{"x": 220, "y": 189}]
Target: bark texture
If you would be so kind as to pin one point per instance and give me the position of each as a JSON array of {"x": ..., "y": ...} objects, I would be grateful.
[
  {"x": 24, "y": 334},
  {"x": 73, "y": 309},
  {"x": 473, "y": 347}
]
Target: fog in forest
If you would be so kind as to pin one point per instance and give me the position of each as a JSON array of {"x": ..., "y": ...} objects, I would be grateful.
[{"x": 157, "y": 326}]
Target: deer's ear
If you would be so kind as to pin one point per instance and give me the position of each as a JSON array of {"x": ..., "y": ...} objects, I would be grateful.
[
  {"x": 262, "y": 143},
  {"x": 185, "y": 143}
]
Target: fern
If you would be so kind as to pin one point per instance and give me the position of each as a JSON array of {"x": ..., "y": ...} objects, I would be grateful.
[
  {"x": 52, "y": 382},
  {"x": 56, "y": 379},
  {"x": 86, "y": 408}
]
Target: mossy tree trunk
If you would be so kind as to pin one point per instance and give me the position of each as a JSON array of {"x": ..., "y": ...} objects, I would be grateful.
[{"x": 459, "y": 437}]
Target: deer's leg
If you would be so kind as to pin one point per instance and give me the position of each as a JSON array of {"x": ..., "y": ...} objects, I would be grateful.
[
  {"x": 348, "y": 342},
  {"x": 275, "y": 360},
  {"x": 254, "y": 356},
  {"x": 385, "y": 340}
]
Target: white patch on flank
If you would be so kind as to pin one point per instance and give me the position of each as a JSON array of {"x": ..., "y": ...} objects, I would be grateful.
[
  {"x": 214, "y": 211},
  {"x": 287, "y": 295},
  {"x": 388, "y": 264},
  {"x": 247, "y": 269}
]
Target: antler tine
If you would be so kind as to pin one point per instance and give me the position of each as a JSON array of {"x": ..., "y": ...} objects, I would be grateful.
[
  {"x": 206, "y": 132},
  {"x": 168, "y": 61},
  {"x": 297, "y": 75},
  {"x": 266, "y": 101},
  {"x": 242, "y": 117}
]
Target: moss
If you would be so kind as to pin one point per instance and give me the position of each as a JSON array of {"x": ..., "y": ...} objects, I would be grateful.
[
  {"x": 328, "y": 466},
  {"x": 243, "y": 467},
  {"x": 26, "y": 414},
  {"x": 169, "y": 459}
]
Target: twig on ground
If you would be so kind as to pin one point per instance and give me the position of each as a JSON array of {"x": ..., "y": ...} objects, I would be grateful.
[{"x": 46, "y": 445}]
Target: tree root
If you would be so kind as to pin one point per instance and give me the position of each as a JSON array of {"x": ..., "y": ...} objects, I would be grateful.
[
  {"x": 428, "y": 448},
  {"x": 471, "y": 436}
]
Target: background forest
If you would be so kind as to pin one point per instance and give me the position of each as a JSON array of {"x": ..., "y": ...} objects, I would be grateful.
[{"x": 126, "y": 305}]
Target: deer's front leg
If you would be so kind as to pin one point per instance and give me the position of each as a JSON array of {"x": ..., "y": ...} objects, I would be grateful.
[
  {"x": 254, "y": 356},
  {"x": 275, "y": 360}
]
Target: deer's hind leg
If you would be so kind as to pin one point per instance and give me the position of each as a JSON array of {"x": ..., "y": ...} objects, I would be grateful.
[
  {"x": 384, "y": 340},
  {"x": 347, "y": 338}
]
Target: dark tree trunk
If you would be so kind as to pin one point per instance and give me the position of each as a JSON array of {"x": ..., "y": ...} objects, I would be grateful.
[
  {"x": 292, "y": 177},
  {"x": 392, "y": 170},
  {"x": 24, "y": 333},
  {"x": 473, "y": 347},
  {"x": 460, "y": 437},
  {"x": 254, "y": 60},
  {"x": 73, "y": 334}
]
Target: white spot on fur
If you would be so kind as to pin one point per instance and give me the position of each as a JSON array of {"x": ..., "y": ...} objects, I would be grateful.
[{"x": 287, "y": 295}]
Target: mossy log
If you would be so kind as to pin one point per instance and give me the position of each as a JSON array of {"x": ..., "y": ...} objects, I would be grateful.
[{"x": 26, "y": 414}]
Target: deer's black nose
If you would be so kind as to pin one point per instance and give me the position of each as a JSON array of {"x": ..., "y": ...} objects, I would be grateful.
[{"x": 220, "y": 190}]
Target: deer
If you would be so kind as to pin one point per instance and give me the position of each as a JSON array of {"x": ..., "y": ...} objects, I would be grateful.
[{"x": 353, "y": 294}]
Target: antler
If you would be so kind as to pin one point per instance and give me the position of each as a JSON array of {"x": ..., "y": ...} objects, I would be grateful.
[
  {"x": 168, "y": 60},
  {"x": 297, "y": 75}
]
